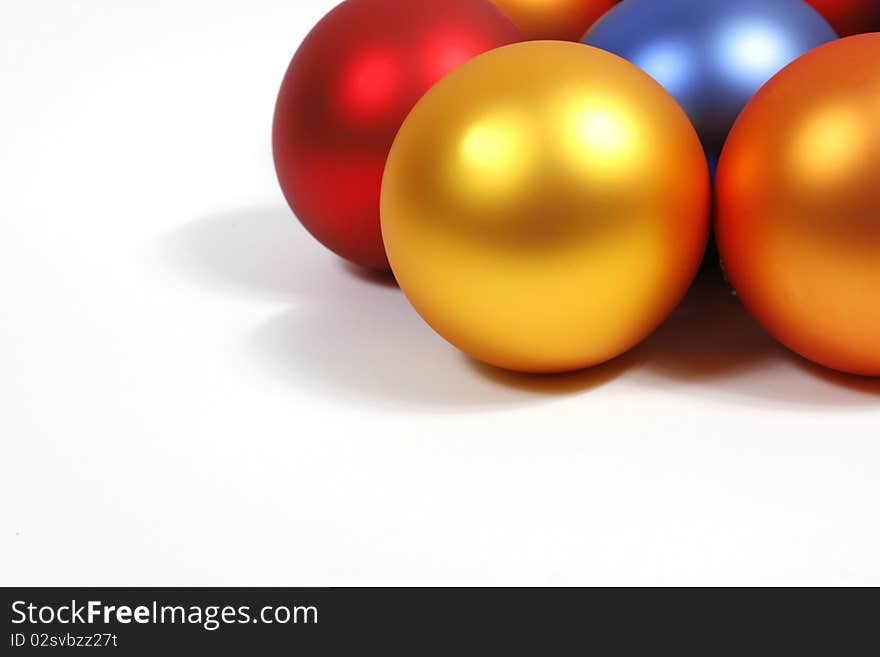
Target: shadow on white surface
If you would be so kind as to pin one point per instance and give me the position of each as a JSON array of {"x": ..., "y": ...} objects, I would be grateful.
[
  {"x": 711, "y": 346},
  {"x": 259, "y": 252},
  {"x": 350, "y": 333},
  {"x": 383, "y": 354}
]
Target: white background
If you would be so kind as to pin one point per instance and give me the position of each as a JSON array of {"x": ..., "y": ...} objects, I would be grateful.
[{"x": 192, "y": 391}]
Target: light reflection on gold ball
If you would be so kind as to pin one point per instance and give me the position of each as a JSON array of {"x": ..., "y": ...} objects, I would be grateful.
[
  {"x": 799, "y": 205},
  {"x": 545, "y": 207}
]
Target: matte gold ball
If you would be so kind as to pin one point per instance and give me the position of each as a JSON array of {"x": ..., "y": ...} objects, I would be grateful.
[{"x": 546, "y": 206}]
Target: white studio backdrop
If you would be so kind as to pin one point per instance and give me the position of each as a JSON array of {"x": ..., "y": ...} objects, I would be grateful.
[{"x": 193, "y": 392}]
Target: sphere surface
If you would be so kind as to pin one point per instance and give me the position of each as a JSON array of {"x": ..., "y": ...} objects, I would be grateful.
[
  {"x": 553, "y": 220},
  {"x": 850, "y": 17},
  {"x": 566, "y": 20},
  {"x": 798, "y": 220},
  {"x": 347, "y": 91},
  {"x": 711, "y": 55}
]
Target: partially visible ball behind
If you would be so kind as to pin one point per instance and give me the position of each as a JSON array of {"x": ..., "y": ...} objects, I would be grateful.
[
  {"x": 850, "y": 17},
  {"x": 798, "y": 206},
  {"x": 347, "y": 91},
  {"x": 564, "y": 20},
  {"x": 553, "y": 220},
  {"x": 711, "y": 55}
]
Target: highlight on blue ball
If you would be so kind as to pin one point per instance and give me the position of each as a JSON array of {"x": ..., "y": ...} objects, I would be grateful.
[{"x": 711, "y": 55}]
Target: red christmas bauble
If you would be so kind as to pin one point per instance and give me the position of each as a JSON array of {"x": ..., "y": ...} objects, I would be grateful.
[
  {"x": 346, "y": 93},
  {"x": 850, "y": 17}
]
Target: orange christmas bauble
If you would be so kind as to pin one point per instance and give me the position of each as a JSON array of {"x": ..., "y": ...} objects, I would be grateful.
[
  {"x": 565, "y": 20},
  {"x": 798, "y": 205}
]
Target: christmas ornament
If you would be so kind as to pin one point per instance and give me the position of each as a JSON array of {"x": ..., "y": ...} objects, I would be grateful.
[
  {"x": 711, "y": 55},
  {"x": 798, "y": 219},
  {"x": 545, "y": 206},
  {"x": 346, "y": 93},
  {"x": 566, "y": 20},
  {"x": 850, "y": 16}
]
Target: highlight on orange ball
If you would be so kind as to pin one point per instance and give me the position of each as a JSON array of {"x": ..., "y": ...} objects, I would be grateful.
[
  {"x": 798, "y": 205},
  {"x": 564, "y": 20}
]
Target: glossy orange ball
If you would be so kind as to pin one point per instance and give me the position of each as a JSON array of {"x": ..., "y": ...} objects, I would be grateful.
[
  {"x": 798, "y": 205},
  {"x": 564, "y": 20}
]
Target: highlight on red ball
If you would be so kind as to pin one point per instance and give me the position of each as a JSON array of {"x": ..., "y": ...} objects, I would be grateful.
[{"x": 345, "y": 95}]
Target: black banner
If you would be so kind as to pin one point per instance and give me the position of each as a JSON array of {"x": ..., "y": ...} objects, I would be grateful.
[{"x": 414, "y": 621}]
